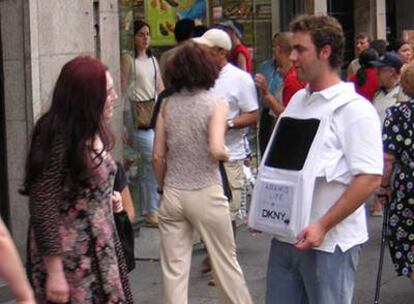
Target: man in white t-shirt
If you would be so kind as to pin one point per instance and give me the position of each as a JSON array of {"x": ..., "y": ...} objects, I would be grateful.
[
  {"x": 319, "y": 265},
  {"x": 237, "y": 87}
]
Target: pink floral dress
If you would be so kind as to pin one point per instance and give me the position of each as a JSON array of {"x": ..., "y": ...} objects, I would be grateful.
[{"x": 80, "y": 228}]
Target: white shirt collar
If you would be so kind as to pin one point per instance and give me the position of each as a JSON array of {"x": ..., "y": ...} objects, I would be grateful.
[{"x": 332, "y": 91}]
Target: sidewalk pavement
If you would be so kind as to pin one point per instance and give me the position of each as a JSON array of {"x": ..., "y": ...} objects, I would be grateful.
[{"x": 252, "y": 251}]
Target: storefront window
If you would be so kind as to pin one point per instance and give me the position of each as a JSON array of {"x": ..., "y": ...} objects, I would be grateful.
[
  {"x": 162, "y": 15},
  {"x": 256, "y": 19}
]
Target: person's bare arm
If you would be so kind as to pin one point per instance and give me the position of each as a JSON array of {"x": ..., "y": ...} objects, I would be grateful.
[
  {"x": 217, "y": 131},
  {"x": 160, "y": 83},
  {"x": 242, "y": 62},
  {"x": 246, "y": 119},
  {"x": 127, "y": 203},
  {"x": 385, "y": 188},
  {"x": 349, "y": 70},
  {"x": 125, "y": 72},
  {"x": 11, "y": 268},
  {"x": 275, "y": 105},
  {"x": 359, "y": 190},
  {"x": 389, "y": 160},
  {"x": 160, "y": 150},
  {"x": 57, "y": 288},
  {"x": 128, "y": 128}
]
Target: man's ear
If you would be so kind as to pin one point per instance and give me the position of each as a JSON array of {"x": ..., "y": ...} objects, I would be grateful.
[
  {"x": 325, "y": 52},
  {"x": 223, "y": 53},
  {"x": 277, "y": 49}
]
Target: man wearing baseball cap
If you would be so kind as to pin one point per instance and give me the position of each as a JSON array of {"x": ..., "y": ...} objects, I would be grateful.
[
  {"x": 215, "y": 38},
  {"x": 237, "y": 87},
  {"x": 388, "y": 74}
]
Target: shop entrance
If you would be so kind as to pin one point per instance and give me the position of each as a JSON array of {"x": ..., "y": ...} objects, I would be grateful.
[
  {"x": 344, "y": 12},
  {"x": 4, "y": 200}
]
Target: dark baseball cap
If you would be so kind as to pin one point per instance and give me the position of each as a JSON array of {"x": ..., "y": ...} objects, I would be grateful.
[{"x": 390, "y": 59}]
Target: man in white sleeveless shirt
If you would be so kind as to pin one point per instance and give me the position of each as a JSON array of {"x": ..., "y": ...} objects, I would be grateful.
[{"x": 319, "y": 264}]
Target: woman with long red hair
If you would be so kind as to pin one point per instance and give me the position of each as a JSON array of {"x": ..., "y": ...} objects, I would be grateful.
[{"x": 74, "y": 254}]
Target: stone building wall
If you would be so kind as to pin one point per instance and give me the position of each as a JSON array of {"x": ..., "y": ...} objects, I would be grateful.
[{"x": 38, "y": 37}]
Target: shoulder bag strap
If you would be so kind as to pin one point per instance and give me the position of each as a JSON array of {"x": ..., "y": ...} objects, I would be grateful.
[
  {"x": 155, "y": 77},
  {"x": 133, "y": 69}
]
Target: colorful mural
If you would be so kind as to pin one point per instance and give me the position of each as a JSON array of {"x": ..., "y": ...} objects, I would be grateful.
[{"x": 162, "y": 15}]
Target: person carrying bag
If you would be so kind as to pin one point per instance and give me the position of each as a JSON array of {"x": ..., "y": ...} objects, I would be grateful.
[{"x": 142, "y": 109}]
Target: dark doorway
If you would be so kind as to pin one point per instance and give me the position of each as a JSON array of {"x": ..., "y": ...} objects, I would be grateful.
[
  {"x": 391, "y": 29},
  {"x": 4, "y": 197},
  {"x": 343, "y": 11},
  {"x": 288, "y": 10}
]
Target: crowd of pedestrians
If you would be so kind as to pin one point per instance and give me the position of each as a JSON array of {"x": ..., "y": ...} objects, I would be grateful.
[{"x": 327, "y": 146}]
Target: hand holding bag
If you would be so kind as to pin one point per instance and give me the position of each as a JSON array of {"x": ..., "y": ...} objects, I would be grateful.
[{"x": 126, "y": 237}]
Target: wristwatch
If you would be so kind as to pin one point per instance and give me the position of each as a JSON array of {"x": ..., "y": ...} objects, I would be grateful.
[{"x": 230, "y": 123}]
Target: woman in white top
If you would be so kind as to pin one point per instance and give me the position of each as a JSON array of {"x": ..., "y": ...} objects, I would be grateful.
[{"x": 141, "y": 83}]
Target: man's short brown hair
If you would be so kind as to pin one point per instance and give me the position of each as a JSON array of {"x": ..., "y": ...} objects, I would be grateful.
[
  {"x": 363, "y": 35},
  {"x": 324, "y": 30},
  {"x": 285, "y": 42}
]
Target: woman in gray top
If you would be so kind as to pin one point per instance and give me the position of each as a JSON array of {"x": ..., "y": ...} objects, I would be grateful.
[{"x": 189, "y": 143}]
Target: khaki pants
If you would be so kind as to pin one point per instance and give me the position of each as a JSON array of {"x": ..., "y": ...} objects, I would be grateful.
[
  {"x": 207, "y": 211},
  {"x": 237, "y": 179}
]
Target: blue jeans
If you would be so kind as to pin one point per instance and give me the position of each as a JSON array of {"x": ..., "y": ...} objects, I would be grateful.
[
  {"x": 148, "y": 196},
  {"x": 310, "y": 277}
]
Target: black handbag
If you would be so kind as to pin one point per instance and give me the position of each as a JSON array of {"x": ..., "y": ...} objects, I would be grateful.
[
  {"x": 126, "y": 237},
  {"x": 225, "y": 181}
]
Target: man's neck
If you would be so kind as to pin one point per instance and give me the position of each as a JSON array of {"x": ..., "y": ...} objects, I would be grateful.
[
  {"x": 324, "y": 81},
  {"x": 222, "y": 64},
  {"x": 391, "y": 85},
  {"x": 284, "y": 65}
]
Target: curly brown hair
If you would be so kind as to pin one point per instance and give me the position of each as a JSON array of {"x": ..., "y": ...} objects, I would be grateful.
[
  {"x": 407, "y": 79},
  {"x": 324, "y": 30},
  {"x": 191, "y": 68}
]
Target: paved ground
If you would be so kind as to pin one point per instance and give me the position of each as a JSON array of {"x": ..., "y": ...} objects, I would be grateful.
[{"x": 252, "y": 253}]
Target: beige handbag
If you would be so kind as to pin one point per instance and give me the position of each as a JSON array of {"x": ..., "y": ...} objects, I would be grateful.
[{"x": 143, "y": 113}]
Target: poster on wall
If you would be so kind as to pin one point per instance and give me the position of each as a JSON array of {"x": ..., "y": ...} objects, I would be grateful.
[{"x": 162, "y": 15}]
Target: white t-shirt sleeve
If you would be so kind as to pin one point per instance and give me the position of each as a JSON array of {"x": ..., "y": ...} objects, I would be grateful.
[
  {"x": 247, "y": 94},
  {"x": 361, "y": 141}
]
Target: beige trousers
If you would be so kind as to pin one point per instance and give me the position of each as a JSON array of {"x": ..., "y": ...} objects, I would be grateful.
[
  {"x": 237, "y": 178},
  {"x": 207, "y": 211}
]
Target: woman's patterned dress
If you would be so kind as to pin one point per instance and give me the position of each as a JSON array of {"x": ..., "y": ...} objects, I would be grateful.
[
  {"x": 80, "y": 228},
  {"x": 399, "y": 141}
]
